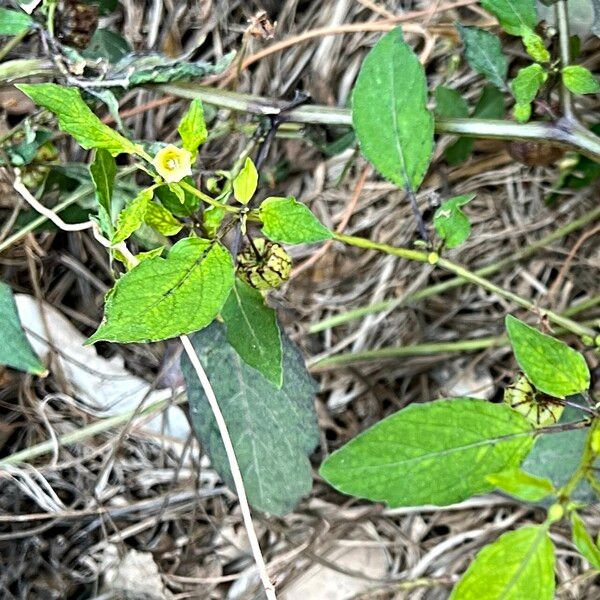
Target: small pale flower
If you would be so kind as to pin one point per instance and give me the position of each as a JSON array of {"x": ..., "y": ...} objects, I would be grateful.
[{"x": 173, "y": 163}]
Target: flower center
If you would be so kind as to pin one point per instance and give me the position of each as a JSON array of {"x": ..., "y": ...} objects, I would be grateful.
[{"x": 171, "y": 163}]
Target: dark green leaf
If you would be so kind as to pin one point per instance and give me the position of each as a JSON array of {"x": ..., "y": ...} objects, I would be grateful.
[
  {"x": 584, "y": 542},
  {"x": 513, "y": 15},
  {"x": 522, "y": 485},
  {"x": 253, "y": 331},
  {"x": 389, "y": 112},
  {"x": 103, "y": 171},
  {"x": 107, "y": 45},
  {"x": 13, "y": 22},
  {"x": 172, "y": 202},
  {"x": 519, "y": 565},
  {"x": 484, "y": 54},
  {"x": 273, "y": 430},
  {"x": 450, "y": 103},
  {"x": 76, "y": 118},
  {"x": 451, "y": 223},
  {"x": 490, "y": 104},
  {"x": 163, "y": 298},
  {"x": 192, "y": 128},
  {"x": 15, "y": 349},
  {"x": 434, "y": 453},
  {"x": 548, "y": 363},
  {"x": 287, "y": 220}
]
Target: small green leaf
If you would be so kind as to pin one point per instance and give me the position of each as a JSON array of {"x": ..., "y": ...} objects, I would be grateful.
[
  {"x": 584, "y": 542},
  {"x": 525, "y": 87},
  {"x": 490, "y": 104},
  {"x": 522, "y": 112},
  {"x": 484, "y": 54},
  {"x": 172, "y": 201},
  {"x": 519, "y": 565},
  {"x": 102, "y": 172},
  {"x": 15, "y": 349},
  {"x": 389, "y": 112},
  {"x": 287, "y": 220},
  {"x": 435, "y": 453},
  {"x": 522, "y": 485},
  {"x": 273, "y": 430},
  {"x": 163, "y": 298},
  {"x": 534, "y": 45},
  {"x": 245, "y": 183},
  {"x": 13, "y": 22},
  {"x": 76, "y": 118},
  {"x": 107, "y": 45},
  {"x": 579, "y": 80},
  {"x": 451, "y": 223},
  {"x": 253, "y": 331},
  {"x": 514, "y": 16},
  {"x": 132, "y": 216},
  {"x": 160, "y": 219},
  {"x": 212, "y": 219},
  {"x": 192, "y": 128},
  {"x": 450, "y": 103},
  {"x": 548, "y": 363},
  {"x": 177, "y": 191}
]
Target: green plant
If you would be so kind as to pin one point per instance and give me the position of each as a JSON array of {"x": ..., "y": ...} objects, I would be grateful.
[{"x": 191, "y": 283}]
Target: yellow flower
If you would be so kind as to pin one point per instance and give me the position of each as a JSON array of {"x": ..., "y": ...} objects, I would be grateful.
[{"x": 173, "y": 163}]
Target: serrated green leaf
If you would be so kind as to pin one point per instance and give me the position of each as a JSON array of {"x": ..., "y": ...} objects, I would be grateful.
[
  {"x": 253, "y": 331},
  {"x": 76, "y": 118},
  {"x": 513, "y": 15},
  {"x": 245, "y": 182},
  {"x": 172, "y": 201},
  {"x": 287, "y": 220},
  {"x": 522, "y": 485},
  {"x": 548, "y": 363},
  {"x": 451, "y": 223},
  {"x": 15, "y": 349},
  {"x": 584, "y": 542},
  {"x": 534, "y": 45},
  {"x": 160, "y": 219},
  {"x": 13, "y": 22},
  {"x": 103, "y": 171},
  {"x": 389, "y": 112},
  {"x": 192, "y": 128},
  {"x": 273, "y": 430},
  {"x": 132, "y": 216},
  {"x": 434, "y": 453},
  {"x": 580, "y": 80},
  {"x": 519, "y": 565},
  {"x": 163, "y": 298},
  {"x": 484, "y": 54}
]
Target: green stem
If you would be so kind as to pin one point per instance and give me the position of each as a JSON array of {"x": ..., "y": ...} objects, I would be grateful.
[
  {"x": 562, "y": 21},
  {"x": 444, "y": 286},
  {"x": 13, "y": 42},
  {"x": 469, "y": 276},
  {"x": 196, "y": 192}
]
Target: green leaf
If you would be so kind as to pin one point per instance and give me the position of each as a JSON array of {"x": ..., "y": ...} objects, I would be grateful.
[
  {"x": 548, "y": 363},
  {"x": 245, "y": 183},
  {"x": 163, "y": 298},
  {"x": 522, "y": 485},
  {"x": 192, "y": 128},
  {"x": 450, "y": 103},
  {"x": 76, "y": 118},
  {"x": 389, "y": 112},
  {"x": 107, "y": 45},
  {"x": 13, "y": 22},
  {"x": 451, "y": 223},
  {"x": 287, "y": 220},
  {"x": 484, "y": 53},
  {"x": 212, "y": 219},
  {"x": 534, "y": 45},
  {"x": 172, "y": 201},
  {"x": 519, "y": 565},
  {"x": 132, "y": 216},
  {"x": 490, "y": 104},
  {"x": 253, "y": 331},
  {"x": 273, "y": 430},
  {"x": 15, "y": 349},
  {"x": 525, "y": 87},
  {"x": 434, "y": 453},
  {"x": 584, "y": 542},
  {"x": 579, "y": 80},
  {"x": 102, "y": 172},
  {"x": 513, "y": 15},
  {"x": 160, "y": 219}
]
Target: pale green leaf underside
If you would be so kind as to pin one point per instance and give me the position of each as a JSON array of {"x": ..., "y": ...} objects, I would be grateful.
[
  {"x": 584, "y": 542},
  {"x": 246, "y": 182},
  {"x": 274, "y": 430},
  {"x": 288, "y": 221},
  {"x": 76, "y": 118},
  {"x": 163, "y": 298},
  {"x": 103, "y": 171},
  {"x": 15, "y": 350},
  {"x": 580, "y": 80},
  {"x": 434, "y": 453},
  {"x": 13, "y": 22},
  {"x": 548, "y": 363},
  {"x": 519, "y": 565},
  {"x": 389, "y": 112},
  {"x": 522, "y": 485},
  {"x": 253, "y": 331},
  {"x": 513, "y": 15}
]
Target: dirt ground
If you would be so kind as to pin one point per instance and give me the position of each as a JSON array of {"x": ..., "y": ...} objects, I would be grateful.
[{"x": 118, "y": 513}]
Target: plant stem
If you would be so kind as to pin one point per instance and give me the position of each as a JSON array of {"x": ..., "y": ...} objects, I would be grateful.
[
  {"x": 206, "y": 198},
  {"x": 562, "y": 21},
  {"x": 444, "y": 286},
  {"x": 14, "y": 41},
  {"x": 469, "y": 276}
]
